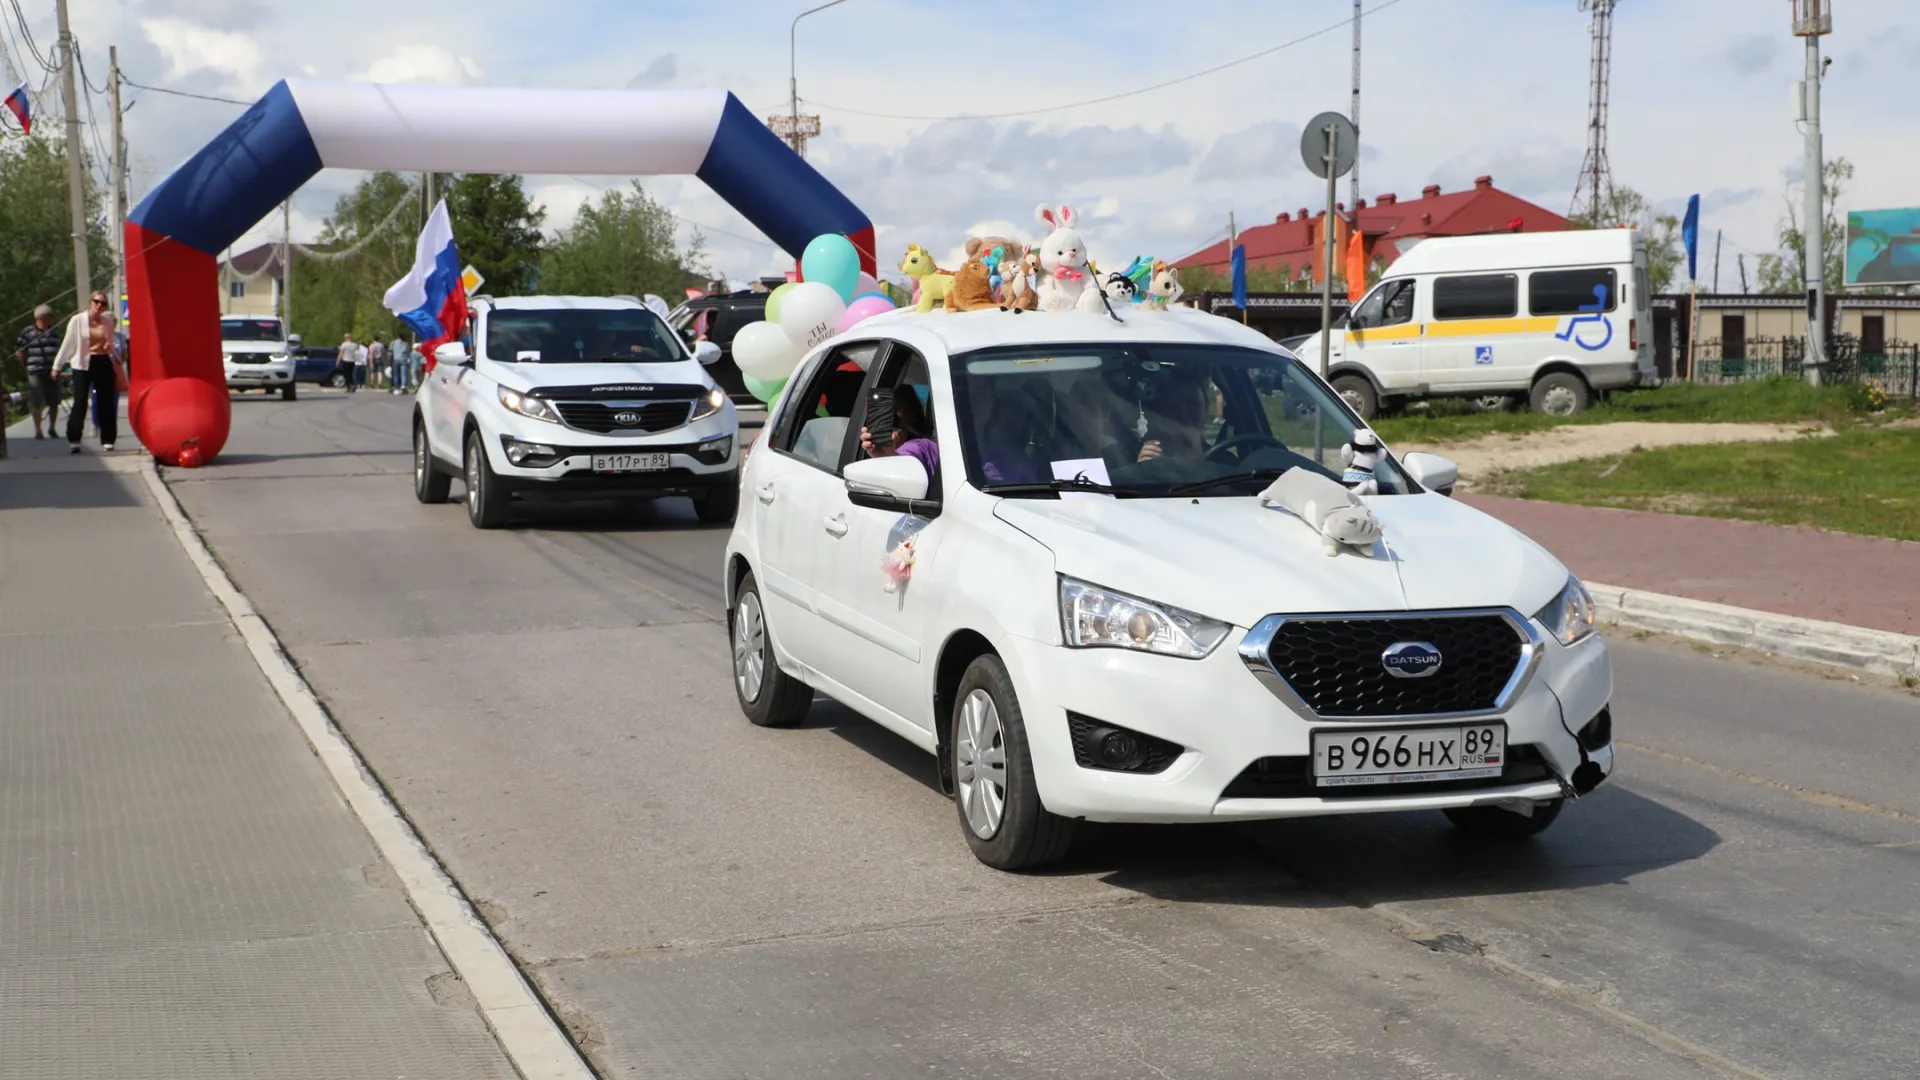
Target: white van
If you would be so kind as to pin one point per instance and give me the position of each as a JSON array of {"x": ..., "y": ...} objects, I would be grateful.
[{"x": 1555, "y": 316}]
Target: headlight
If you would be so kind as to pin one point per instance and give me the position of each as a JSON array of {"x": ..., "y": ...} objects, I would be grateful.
[
  {"x": 280, "y": 357},
  {"x": 1093, "y": 617},
  {"x": 1570, "y": 617},
  {"x": 530, "y": 407},
  {"x": 707, "y": 406}
]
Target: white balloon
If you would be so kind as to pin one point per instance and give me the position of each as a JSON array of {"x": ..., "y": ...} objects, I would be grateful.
[
  {"x": 811, "y": 313},
  {"x": 764, "y": 351}
]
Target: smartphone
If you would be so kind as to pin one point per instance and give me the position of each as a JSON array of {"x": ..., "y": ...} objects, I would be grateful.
[{"x": 879, "y": 422}]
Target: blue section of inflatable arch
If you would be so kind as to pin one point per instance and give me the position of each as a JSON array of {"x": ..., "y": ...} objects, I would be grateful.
[
  {"x": 235, "y": 180},
  {"x": 760, "y": 176}
]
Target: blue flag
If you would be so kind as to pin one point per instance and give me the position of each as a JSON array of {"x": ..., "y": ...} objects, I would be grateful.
[
  {"x": 1690, "y": 233},
  {"x": 1240, "y": 276}
]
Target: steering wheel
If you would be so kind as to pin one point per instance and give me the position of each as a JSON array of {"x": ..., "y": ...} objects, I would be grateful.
[{"x": 1235, "y": 444}]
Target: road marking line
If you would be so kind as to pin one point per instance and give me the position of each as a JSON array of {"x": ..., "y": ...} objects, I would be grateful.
[
  {"x": 1812, "y": 795},
  {"x": 520, "y": 1022}
]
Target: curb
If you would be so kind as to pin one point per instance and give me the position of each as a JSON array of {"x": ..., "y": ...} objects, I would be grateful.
[
  {"x": 528, "y": 1034},
  {"x": 1880, "y": 651}
]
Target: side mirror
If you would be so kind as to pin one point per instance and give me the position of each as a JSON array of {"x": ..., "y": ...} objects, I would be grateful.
[
  {"x": 707, "y": 353},
  {"x": 1431, "y": 471},
  {"x": 451, "y": 353},
  {"x": 895, "y": 484},
  {"x": 293, "y": 339}
]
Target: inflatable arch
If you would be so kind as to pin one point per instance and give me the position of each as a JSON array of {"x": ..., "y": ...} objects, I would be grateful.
[{"x": 179, "y": 393}]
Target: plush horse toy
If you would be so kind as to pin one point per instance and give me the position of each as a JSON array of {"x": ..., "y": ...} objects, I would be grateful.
[{"x": 931, "y": 284}]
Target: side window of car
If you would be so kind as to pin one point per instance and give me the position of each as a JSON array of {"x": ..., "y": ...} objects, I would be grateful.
[
  {"x": 1569, "y": 292},
  {"x": 904, "y": 376},
  {"x": 815, "y": 425},
  {"x": 725, "y": 322},
  {"x": 1398, "y": 307}
]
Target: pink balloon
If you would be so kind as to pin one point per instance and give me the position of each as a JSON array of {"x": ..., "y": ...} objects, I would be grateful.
[
  {"x": 867, "y": 284},
  {"x": 864, "y": 308}
]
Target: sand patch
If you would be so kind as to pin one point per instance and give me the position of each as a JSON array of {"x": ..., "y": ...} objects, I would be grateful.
[{"x": 1480, "y": 458}]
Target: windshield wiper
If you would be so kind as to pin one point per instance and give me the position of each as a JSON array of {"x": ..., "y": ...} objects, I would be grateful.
[
  {"x": 1198, "y": 486},
  {"x": 1076, "y": 484}
]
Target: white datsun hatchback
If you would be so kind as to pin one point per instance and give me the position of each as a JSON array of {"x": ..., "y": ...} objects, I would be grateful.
[{"x": 1051, "y": 568}]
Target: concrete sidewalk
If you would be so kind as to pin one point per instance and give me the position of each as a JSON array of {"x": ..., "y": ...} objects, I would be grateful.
[
  {"x": 1834, "y": 577},
  {"x": 183, "y": 892}
]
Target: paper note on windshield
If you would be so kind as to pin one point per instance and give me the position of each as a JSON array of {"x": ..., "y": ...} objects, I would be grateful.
[
  {"x": 1091, "y": 469},
  {"x": 527, "y": 354}
]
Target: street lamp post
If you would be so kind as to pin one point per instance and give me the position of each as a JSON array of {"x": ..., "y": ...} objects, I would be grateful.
[{"x": 793, "y": 83}]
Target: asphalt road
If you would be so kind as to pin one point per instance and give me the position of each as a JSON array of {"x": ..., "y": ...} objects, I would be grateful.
[{"x": 700, "y": 898}]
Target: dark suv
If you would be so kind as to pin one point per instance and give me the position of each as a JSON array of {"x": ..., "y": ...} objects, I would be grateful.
[{"x": 726, "y": 314}]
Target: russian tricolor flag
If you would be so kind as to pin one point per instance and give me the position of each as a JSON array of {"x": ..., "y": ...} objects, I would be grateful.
[
  {"x": 22, "y": 109},
  {"x": 432, "y": 298}
]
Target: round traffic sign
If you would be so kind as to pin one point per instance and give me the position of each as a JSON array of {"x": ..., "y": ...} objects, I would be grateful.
[{"x": 1313, "y": 144}]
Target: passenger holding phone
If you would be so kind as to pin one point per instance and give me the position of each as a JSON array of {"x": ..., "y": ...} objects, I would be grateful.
[{"x": 906, "y": 430}]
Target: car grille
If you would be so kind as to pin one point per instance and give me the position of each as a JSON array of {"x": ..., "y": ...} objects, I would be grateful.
[
  {"x": 598, "y": 416},
  {"x": 1334, "y": 665},
  {"x": 1292, "y": 778},
  {"x": 248, "y": 358}
]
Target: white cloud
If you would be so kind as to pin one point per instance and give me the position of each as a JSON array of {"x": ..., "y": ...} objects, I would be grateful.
[
  {"x": 190, "y": 49},
  {"x": 1269, "y": 148},
  {"x": 660, "y": 71},
  {"x": 422, "y": 64}
]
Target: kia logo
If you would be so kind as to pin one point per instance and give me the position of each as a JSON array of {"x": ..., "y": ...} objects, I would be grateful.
[
  {"x": 626, "y": 419},
  {"x": 1410, "y": 659}
]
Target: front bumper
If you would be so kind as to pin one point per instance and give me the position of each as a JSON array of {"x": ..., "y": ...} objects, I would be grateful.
[
  {"x": 258, "y": 376},
  {"x": 700, "y": 455},
  {"x": 1229, "y": 725}
]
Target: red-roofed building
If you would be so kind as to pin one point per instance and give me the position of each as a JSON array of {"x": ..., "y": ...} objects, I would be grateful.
[{"x": 1298, "y": 242}]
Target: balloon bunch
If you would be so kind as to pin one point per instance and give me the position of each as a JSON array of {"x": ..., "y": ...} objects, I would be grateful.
[{"x": 833, "y": 294}]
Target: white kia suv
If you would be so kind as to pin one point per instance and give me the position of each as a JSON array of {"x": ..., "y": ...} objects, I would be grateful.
[
  {"x": 1076, "y": 600},
  {"x": 567, "y": 397},
  {"x": 257, "y": 353}
]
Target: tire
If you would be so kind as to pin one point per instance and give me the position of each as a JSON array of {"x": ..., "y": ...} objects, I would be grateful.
[
  {"x": 1491, "y": 403},
  {"x": 1493, "y": 823},
  {"x": 770, "y": 697},
  {"x": 1359, "y": 394},
  {"x": 289, "y": 392},
  {"x": 337, "y": 381},
  {"x": 718, "y": 504},
  {"x": 486, "y": 503},
  {"x": 1560, "y": 394},
  {"x": 430, "y": 485},
  {"x": 1000, "y": 811}
]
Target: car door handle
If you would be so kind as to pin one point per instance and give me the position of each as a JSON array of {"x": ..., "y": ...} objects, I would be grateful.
[
  {"x": 764, "y": 492},
  {"x": 837, "y": 525}
]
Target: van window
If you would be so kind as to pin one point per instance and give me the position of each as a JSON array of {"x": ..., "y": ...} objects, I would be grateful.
[
  {"x": 1476, "y": 296},
  {"x": 1568, "y": 292},
  {"x": 1388, "y": 305}
]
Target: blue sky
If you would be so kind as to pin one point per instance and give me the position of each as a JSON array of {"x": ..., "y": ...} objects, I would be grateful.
[{"x": 1452, "y": 89}]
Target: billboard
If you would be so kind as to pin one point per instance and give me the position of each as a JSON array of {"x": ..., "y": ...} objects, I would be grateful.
[{"x": 1883, "y": 247}]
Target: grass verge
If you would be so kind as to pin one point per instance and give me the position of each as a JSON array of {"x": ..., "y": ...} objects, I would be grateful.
[
  {"x": 1861, "y": 480},
  {"x": 1767, "y": 401}
]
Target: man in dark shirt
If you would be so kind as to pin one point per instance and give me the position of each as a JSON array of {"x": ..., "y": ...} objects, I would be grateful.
[{"x": 35, "y": 349}]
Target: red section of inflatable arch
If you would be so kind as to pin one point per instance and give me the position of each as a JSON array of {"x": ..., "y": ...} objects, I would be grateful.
[{"x": 178, "y": 391}]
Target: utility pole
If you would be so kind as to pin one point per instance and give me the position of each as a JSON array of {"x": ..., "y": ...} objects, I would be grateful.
[
  {"x": 119, "y": 217},
  {"x": 76, "y": 163},
  {"x": 1741, "y": 261},
  {"x": 286, "y": 266},
  {"x": 1353, "y": 113},
  {"x": 1719, "y": 237},
  {"x": 1811, "y": 19}
]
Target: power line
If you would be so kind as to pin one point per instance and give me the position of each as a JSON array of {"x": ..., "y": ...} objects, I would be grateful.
[
  {"x": 124, "y": 81},
  {"x": 26, "y": 34},
  {"x": 1113, "y": 97}
]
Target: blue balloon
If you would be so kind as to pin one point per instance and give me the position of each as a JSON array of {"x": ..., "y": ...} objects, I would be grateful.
[
  {"x": 864, "y": 295},
  {"x": 832, "y": 260}
]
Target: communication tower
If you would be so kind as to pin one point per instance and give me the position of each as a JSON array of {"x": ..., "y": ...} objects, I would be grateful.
[{"x": 1594, "y": 191}]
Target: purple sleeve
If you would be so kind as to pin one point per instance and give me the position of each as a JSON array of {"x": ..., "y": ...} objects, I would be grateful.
[{"x": 926, "y": 452}]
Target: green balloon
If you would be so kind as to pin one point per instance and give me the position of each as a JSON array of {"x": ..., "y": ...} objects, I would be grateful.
[
  {"x": 775, "y": 299},
  {"x": 767, "y": 390}
]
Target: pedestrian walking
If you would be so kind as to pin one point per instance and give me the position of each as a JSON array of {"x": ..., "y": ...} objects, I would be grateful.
[
  {"x": 376, "y": 353},
  {"x": 36, "y": 348},
  {"x": 90, "y": 349},
  {"x": 359, "y": 367},
  {"x": 343, "y": 364},
  {"x": 419, "y": 364},
  {"x": 400, "y": 360}
]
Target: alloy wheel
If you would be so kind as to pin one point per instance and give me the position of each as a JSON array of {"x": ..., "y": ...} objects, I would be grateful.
[
  {"x": 980, "y": 764},
  {"x": 474, "y": 493},
  {"x": 749, "y": 647}
]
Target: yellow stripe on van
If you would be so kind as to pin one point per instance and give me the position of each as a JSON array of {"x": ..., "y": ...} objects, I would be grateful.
[
  {"x": 1543, "y": 324},
  {"x": 1403, "y": 332}
]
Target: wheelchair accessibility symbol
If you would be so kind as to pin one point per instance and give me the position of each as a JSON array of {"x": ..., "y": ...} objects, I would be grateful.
[{"x": 1590, "y": 314}]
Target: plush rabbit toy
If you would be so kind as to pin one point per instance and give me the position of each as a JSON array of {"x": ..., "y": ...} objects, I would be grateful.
[{"x": 1063, "y": 261}]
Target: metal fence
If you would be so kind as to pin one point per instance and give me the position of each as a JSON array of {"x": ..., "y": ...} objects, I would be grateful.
[{"x": 1893, "y": 368}]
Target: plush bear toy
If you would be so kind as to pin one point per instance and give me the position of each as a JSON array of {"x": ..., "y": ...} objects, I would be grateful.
[
  {"x": 1326, "y": 507},
  {"x": 898, "y": 566},
  {"x": 1360, "y": 456},
  {"x": 1003, "y": 258}
]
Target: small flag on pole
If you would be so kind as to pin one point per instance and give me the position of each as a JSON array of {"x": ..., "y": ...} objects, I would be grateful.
[
  {"x": 1690, "y": 233},
  {"x": 432, "y": 298},
  {"x": 21, "y": 108},
  {"x": 1240, "y": 276}
]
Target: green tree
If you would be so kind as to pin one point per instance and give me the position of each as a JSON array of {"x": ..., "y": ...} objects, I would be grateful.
[
  {"x": 1282, "y": 278},
  {"x": 1785, "y": 271},
  {"x": 497, "y": 229},
  {"x": 36, "y": 245},
  {"x": 336, "y": 294},
  {"x": 1626, "y": 208},
  {"x": 622, "y": 245}
]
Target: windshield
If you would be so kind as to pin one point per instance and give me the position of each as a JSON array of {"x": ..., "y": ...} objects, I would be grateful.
[
  {"x": 580, "y": 335},
  {"x": 251, "y": 330},
  {"x": 1151, "y": 420}
]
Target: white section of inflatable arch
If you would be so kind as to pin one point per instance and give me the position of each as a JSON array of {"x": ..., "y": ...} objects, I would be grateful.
[{"x": 502, "y": 130}]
